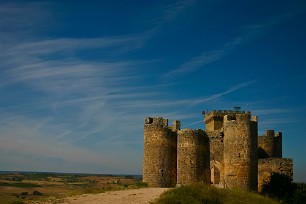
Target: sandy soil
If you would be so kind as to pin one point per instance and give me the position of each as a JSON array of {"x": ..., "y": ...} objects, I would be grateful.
[{"x": 142, "y": 195}]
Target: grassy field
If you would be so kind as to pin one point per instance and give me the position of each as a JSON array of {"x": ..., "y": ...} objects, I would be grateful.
[
  {"x": 200, "y": 193},
  {"x": 36, "y": 188}
]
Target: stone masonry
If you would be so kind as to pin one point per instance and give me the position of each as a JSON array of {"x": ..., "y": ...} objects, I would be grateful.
[
  {"x": 192, "y": 157},
  {"x": 160, "y": 152},
  {"x": 228, "y": 154}
]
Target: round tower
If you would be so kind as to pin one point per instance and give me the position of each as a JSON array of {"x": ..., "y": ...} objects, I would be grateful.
[
  {"x": 192, "y": 157},
  {"x": 240, "y": 152},
  {"x": 160, "y": 152}
]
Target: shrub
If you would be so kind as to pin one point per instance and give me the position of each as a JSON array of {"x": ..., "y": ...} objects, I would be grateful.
[
  {"x": 300, "y": 194},
  {"x": 141, "y": 184},
  {"x": 37, "y": 193},
  {"x": 200, "y": 193},
  {"x": 281, "y": 187},
  {"x": 24, "y": 194}
]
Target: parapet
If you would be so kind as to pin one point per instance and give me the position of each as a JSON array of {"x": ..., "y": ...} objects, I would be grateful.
[
  {"x": 272, "y": 134},
  {"x": 238, "y": 117},
  {"x": 214, "y": 115},
  {"x": 160, "y": 122},
  {"x": 189, "y": 132},
  {"x": 221, "y": 113},
  {"x": 157, "y": 121}
]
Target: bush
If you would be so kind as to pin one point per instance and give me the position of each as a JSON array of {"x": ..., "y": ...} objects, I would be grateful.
[
  {"x": 141, "y": 184},
  {"x": 300, "y": 194},
  {"x": 200, "y": 193},
  {"x": 24, "y": 194},
  {"x": 281, "y": 187},
  {"x": 37, "y": 193}
]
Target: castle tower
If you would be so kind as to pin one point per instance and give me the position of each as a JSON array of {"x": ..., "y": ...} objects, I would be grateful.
[
  {"x": 160, "y": 152},
  {"x": 240, "y": 151},
  {"x": 266, "y": 145},
  {"x": 270, "y": 145},
  {"x": 192, "y": 157},
  {"x": 214, "y": 120}
]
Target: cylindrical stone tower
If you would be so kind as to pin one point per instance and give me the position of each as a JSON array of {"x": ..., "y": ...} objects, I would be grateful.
[
  {"x": 160, "y": 152},
  {"x": 193, "y": 157},
  {"x": 240, "y": 152}
]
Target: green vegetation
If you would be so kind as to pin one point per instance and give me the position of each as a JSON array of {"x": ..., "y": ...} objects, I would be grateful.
[
  {"x": 141, "y": 184},
  {"x": 282, "y": 188},
  {"x": 20, "y": 185},
  {"x": 200, "y": 193}
]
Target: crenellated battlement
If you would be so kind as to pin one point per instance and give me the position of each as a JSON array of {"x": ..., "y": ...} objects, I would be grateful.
[
  {"x": 239, "y": 117},
  {"x": 188, "y": 132},
  {"x": 214, "y": 119},
  {"x": 159, "y": 122},
  {"x": 215, "y": 114},
  {"x": 156, "y": 121},
  {"x": 272, "y": 134}
]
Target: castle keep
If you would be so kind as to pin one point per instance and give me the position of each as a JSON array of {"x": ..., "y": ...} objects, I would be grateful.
[{"x": 229, "y": 153}]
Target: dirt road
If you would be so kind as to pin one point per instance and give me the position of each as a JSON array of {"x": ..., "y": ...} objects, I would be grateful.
[{"x": 142, "y": 195}]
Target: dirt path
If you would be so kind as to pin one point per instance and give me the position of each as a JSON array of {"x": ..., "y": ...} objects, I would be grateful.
[{"x": 142, "y": 195}]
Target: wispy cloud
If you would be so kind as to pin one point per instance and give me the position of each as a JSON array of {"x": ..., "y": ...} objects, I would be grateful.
[
  {"x": 249, "y": 34},
  {"x": 35, "y": 144},
  {"x": 173, "y": 10},
  {"x": 68, "y": 45},
  {"x": 218, "y": 95},
  {"x": 20, "y": 20},
  {"x": 271, "y": 111}
]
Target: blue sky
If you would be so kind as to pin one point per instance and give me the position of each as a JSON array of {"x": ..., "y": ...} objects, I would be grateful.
[{"x": 77, "y": 79}]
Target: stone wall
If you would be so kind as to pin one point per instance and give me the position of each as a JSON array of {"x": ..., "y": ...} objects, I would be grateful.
[
  {"x": 160, "y": 153},
  {"x": 216, "y": 147},
  {"x": 270, "y": 145},
  {"x": 240, "y": 154},
  {"x": 192, "y": 157},
  {"x": 278, "y": 165}
]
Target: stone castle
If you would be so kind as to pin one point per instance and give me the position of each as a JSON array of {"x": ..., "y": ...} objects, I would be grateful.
[{"x": 229, "y": 153}]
